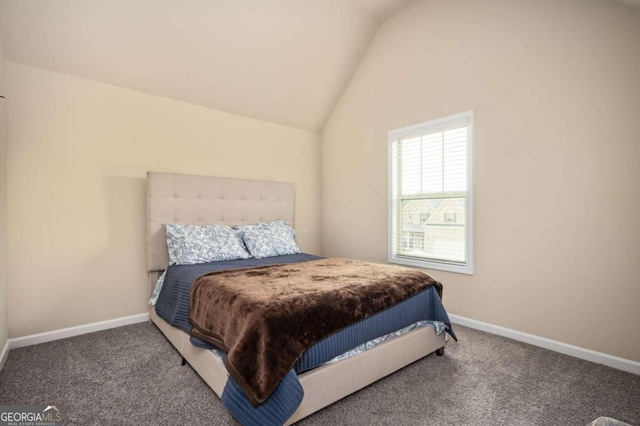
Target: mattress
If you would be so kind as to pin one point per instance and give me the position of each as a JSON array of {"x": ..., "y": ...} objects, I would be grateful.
[{"x": 173, "y": 307}]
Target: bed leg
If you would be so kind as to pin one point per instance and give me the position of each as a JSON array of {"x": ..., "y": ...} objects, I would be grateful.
[
  {"x": 184, "y": 361},
  {"x": 440, "y": 351}
]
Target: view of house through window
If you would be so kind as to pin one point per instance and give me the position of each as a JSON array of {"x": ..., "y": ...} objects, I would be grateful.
[
  {"x": 430, "y": 190},
  {"x": 440, "y": 235}
]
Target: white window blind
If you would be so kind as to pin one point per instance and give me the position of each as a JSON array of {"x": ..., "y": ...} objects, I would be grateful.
[{"x": 430, "y": 207}]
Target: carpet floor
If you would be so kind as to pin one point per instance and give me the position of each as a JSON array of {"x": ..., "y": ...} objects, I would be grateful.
[{"x": 132, "y": 376}]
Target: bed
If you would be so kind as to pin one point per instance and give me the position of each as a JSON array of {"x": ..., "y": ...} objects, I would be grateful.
[{"x": 188, "y": 199}]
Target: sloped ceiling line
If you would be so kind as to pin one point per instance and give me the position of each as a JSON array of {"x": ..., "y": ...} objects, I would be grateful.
[{"x": 282, "y": 61}]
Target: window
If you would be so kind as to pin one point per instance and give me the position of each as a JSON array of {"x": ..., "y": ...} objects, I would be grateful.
[
  {"x": 449, "y": 217},
  {"x": 430, "y": 177},
  {"x": 424, "y": 217}
]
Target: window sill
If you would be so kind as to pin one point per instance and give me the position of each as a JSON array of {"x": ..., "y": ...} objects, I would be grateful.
[{"x": 439, "y": 266}]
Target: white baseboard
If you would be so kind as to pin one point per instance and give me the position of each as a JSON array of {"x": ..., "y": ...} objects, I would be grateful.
[
  {"x": 563, "y": 348},
  {"x": 49, "y": 336},
  {"x": 623, "y": 364},
  {"x": 4, "y": 353}
]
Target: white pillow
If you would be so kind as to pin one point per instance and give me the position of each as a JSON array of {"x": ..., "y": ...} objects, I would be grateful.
[
  {"x": 189, "y": 244},
  {"x": 269, "y": 239}
]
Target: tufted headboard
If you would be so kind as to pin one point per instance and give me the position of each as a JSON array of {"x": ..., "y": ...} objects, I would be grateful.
[{"x": 188, "y": 199}]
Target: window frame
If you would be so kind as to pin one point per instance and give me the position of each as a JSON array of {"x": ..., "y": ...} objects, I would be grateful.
[{"x": 421, "y": 129}]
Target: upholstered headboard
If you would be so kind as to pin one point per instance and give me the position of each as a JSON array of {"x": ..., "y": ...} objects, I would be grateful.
[{"x": 188, "y": 199}]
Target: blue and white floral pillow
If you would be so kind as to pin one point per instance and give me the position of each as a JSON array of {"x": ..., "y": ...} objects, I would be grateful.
[
  {"x": 269, "y": 239},
  {"x": 189, "y": 244}
]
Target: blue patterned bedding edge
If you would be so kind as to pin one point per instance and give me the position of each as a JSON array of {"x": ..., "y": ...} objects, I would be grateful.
[{"x": 173, "y": 306}]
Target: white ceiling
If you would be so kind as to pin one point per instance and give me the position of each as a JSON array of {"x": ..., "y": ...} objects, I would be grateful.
[
  {"x": 382, "y": 9},
  {"x": 283, "y": 61}
]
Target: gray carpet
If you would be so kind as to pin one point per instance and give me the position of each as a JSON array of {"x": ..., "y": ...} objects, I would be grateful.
[{"x": 132, "y": 375}]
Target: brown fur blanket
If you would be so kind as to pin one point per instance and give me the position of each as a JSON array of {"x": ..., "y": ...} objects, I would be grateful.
[{"x": 266, "y": 317}]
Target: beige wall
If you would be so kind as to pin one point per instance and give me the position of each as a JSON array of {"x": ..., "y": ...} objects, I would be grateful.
[
  {"x": 556, "y": 92},
  {"x": 78, "y": 152},
  {"x": 3, "y": 198}
]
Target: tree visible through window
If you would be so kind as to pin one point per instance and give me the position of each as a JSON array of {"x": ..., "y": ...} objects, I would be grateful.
[{"x": 430, "y": 194}]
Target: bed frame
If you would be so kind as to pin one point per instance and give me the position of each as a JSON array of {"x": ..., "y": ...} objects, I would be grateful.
[{"x": 188, "y": 199}]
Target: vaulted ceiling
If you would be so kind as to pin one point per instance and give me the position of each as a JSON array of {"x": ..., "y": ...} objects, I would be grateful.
[{"x": 283, "y": 61}]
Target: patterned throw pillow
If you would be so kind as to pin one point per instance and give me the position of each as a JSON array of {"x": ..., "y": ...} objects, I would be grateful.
[
  {"x": 269, "y": 239},
  {"x": 189, "y": 244}
]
